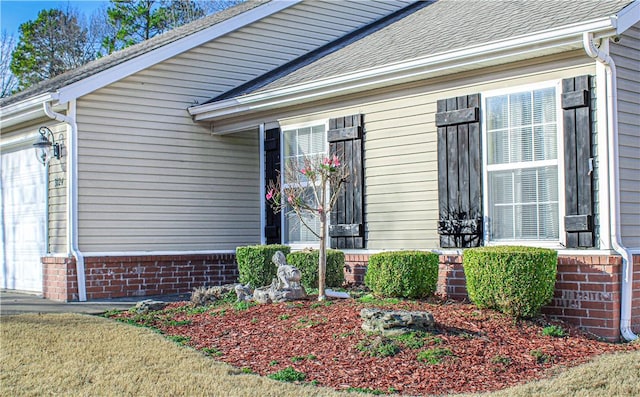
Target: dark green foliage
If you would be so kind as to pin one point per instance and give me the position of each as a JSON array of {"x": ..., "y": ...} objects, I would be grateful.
[
  {"x": 136, "y": 21},
  {"x": 403, "y": 274},
  {"x": 255, "y": 266},
  {"x": 52, "y": 44},
  {"x": 515, "y": 280},
  {"x": 307, "y": 263}
]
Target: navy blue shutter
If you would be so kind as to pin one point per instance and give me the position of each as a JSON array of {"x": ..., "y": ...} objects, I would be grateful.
[
  {"x": 459, "y": 172},
  {"x": 576, "y": 113},
  {"x": 272, "y": 232},
  {"x": 346, "y": 228}
]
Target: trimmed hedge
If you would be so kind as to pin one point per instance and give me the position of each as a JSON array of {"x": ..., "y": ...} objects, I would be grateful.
[
  {"x": 515, "y": 280},
  {"x": 255, "y": 266},
  {"x": 402, "y": 274},
  {"x": 307, "y": 263}
]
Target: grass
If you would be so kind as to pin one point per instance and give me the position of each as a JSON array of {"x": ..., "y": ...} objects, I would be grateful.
[
  {"x": 288, "y": 375},
  {"x": 65, "y": 354},
  {"x": 73, "y": 355},
  {"x": 434, "y": 356}
]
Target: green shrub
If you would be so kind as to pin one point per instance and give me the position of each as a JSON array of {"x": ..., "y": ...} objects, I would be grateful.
[
  {"x": 515, "y": 280},
  {"x": 307, "y": 263},
  {"x": 403, "y": 274},
  {"x": 255, "y": 266}
]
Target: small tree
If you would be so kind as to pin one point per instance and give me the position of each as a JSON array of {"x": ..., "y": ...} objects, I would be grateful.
[{"x": 311, "y": 189}]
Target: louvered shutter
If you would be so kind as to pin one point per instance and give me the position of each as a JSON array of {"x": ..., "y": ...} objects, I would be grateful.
[
  {"x": 273, "y": 221},
  {"x": 459, "y": 172},
  {"x": 346, "y": 228},
  {"x": 576, "y": 105}
]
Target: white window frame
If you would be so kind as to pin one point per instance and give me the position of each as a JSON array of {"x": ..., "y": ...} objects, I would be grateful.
[
  {"x": 283, "y": 237},
  {"x": 561, "y": 242}
]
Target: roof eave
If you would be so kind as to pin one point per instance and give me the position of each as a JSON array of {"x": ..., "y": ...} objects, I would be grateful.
[
  {"x": 497, "y": 52},
  {"x": 24, "y": 111}
]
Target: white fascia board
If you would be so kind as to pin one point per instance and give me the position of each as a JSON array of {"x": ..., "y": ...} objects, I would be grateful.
[
  {"x": 626, "y": 18},
  {"x": 127, "y": 68},
  {"x": 404, "y": 71}
]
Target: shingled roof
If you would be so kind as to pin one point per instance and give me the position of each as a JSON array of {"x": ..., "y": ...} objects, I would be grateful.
[
  {"x": 441, "y": 26},
  {"x": 129, "y": 53}
]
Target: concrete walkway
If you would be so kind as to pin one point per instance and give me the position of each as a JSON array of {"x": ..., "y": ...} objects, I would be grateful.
[{"x": 16, "y": 302}]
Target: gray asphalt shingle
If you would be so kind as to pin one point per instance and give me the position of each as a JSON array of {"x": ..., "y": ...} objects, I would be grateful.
[{"x": 447, "y": 25}]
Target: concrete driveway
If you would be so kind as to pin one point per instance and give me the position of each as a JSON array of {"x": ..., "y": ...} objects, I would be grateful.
[{"x": 15, "y": 302}]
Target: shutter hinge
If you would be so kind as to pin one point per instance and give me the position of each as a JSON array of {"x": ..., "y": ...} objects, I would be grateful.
[{"x": 590, "y": 166}]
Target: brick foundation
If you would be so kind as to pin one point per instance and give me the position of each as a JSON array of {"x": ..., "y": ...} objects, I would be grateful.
[
  {"x": 59, "y": 278},
  {"x": 635, "y": 307},
  {"x": 355, "y": 267},
  {"x": 587, "y": 290},
  {"x": 115, "y": 277}
]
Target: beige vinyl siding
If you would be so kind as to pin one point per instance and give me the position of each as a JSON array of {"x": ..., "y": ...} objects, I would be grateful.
[
  {"x": 626, "y": 55},
  {"x": 57, "y": 175},
  {"x": 58, "y": 185},
  {"x": 401, "y": 186},
  {"x": 150, "y": 179}
]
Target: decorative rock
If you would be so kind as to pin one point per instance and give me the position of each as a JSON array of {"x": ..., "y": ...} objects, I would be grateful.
[
  {"x": 285, "y": 288},
  {"x": 149, "y": 305},
  {"x": 204, "y": 296},
  {"x": 244, "y": 292},
  {"x": 395, "y": 322}
]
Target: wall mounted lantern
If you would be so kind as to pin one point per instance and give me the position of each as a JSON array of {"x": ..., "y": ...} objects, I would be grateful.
[{"x": 47, "y": 147}]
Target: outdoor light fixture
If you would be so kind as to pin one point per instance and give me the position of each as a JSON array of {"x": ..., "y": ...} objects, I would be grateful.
[{"x": 46, "y": 146}]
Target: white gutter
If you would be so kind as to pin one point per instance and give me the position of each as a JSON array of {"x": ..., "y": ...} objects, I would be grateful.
[
  {"x": 614, "y": 186},
  {"x": 72, "y": 193},
  {"x": 568, "y": 37},
  {"x": 23, "y": 111}
]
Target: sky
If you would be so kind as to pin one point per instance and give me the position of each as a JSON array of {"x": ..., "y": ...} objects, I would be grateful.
[{"x": 15, "y": 12}]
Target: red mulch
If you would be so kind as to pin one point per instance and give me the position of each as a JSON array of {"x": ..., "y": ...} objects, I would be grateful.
[{"x": 490, "y": 350}]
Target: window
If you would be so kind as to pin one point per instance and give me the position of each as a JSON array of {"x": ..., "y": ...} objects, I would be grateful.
[
  {"x": 521, "y": 165},
  {"x": 307, "y": 141}
]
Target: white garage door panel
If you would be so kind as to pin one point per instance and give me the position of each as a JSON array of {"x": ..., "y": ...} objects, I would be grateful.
[{"x": 23, "y": 220}]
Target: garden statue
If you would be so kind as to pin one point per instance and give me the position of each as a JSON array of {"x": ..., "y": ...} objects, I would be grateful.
[
  {"x": 286, "y": 287},
  {"x": 288, "y": 276}
]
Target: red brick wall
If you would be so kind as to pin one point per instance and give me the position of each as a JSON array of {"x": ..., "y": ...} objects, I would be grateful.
[
  {"x": 355, "y": 267},
  {"x": 59, "y": 278},
  {"x": 635, "y": 311},
  {"x": 451, "y": 281},
  {"x": 114, "y": 277},
  {"x": 587, "y": 290},
  {"x": 587, "y": 293}
]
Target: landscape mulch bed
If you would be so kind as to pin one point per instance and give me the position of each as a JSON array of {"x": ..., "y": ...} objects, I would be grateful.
[{"x": 489, "y": 350}]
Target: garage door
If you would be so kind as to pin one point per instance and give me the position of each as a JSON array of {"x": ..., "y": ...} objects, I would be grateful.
[{"x": 23, "y": 220}]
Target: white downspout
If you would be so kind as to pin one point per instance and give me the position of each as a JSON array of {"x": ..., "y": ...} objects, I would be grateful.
[
  {"x": 614, "y": 183},
  {"x": 72, "y": 195}
]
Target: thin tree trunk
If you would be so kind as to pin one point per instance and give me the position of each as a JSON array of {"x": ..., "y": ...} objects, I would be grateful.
[{"x": 322, "y": 257}]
